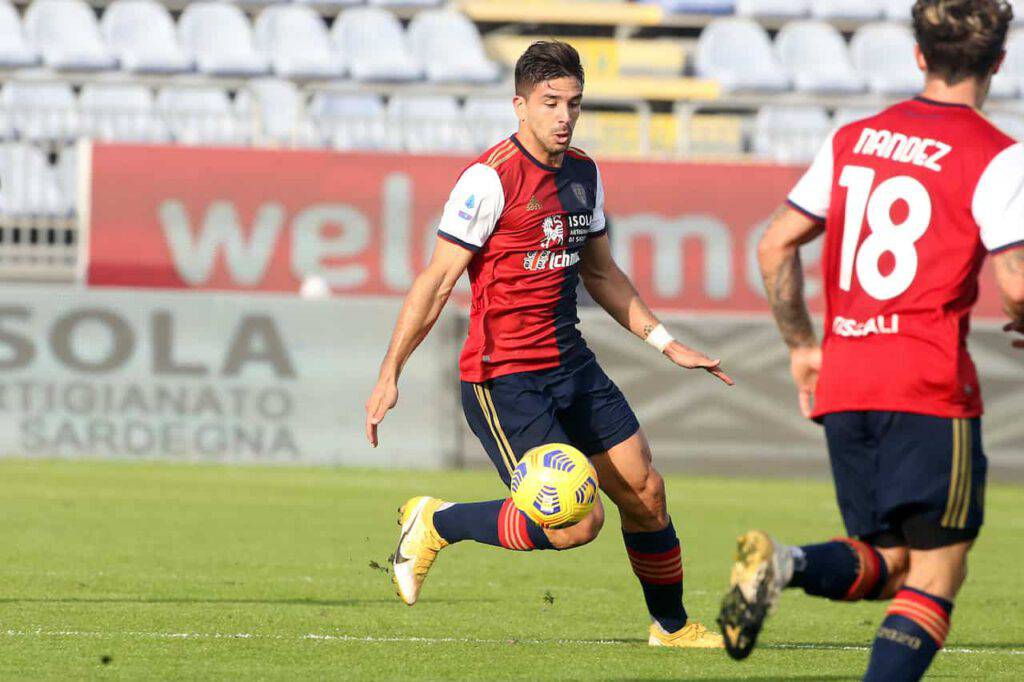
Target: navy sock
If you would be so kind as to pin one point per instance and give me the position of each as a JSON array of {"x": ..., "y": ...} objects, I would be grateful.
[
  {"x": 497, "y": 522},
  {"x": 914, "y": 629},
  {"x": 657, "y": 563},
  {"x": 843, "y": 569}
]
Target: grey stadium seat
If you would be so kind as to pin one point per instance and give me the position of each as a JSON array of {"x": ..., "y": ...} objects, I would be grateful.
[
  {"x": 41, "y": 111},
  {"x": 353, "y": 121},
  {"x": 898, "y": 10},
  {"x": 815, "y": 55},
  {"x": 141, "y": 34},
  {"x": 374, "y": 46},
  {"x": 295, "y": 39},
  {"x": 884, "y": 54},
  {"x": 430, "y": 124},
  {"x": 276, "y": 106},
  {"x": 201, "y": 115},
  {"x": 863, "y": 10},
  {"x": 489, "y": 120},
  {"x": 449, "y": 47},
  {"x": 121, "y": 112},
  {"x": 15, "y": 51},
  {"x": 66, "y": 34},
  {"x": 738, "y": 54},
  {"x": 28, "y": 185},
  {"x": 773, "y": 8},
  {"x": 790, "y": 134},
  {"x": 218, "y": 36},
  {"x": 847, "y": 115}
]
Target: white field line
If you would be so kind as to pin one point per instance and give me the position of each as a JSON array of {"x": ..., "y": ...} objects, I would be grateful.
[{"x": 436, "y": 640}]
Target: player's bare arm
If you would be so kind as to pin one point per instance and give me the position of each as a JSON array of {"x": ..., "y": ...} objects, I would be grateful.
[
  {"x": 1009, "y": 266},
  {"x": 613, "y": 291},
  {"x": 423, "y": 305},
  {"x": 779, "y": 256}
]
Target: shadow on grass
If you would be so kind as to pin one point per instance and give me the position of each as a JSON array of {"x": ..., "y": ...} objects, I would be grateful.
[{"x": 215, "y": 600}]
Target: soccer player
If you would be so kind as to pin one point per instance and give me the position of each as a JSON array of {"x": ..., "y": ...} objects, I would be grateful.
[
  {"x": 910, "y": 202},
  {"x": 527, "y": 220}
]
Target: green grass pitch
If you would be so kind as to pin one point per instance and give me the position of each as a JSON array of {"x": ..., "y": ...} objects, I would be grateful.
[{"x": 156, "y": 571}]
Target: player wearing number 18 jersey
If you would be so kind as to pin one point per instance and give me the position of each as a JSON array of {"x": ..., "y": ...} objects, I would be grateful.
[{"x": 910, "y": 201}]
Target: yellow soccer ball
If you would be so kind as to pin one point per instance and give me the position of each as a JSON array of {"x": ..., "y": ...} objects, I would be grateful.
[{"x": 555, "y": 485}]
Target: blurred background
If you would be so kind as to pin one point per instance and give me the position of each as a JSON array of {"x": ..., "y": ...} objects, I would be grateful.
[{"x": 209, "y": 213}]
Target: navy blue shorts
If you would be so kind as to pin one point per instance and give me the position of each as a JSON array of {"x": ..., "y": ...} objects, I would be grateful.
[
  {"x": 577, "y": 405},
  {"x": 908, "y": 479}
]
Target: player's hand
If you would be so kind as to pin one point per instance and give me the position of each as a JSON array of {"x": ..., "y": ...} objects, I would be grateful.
[
  {"x": 383, "y": 398},
  {"x": 1015, "y": 327},
  {"x": 694, "y": 359},
  {"x": 805, "y": 364}
]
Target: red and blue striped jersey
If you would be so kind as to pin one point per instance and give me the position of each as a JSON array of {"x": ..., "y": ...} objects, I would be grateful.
[{"x": 526, "y": 223}]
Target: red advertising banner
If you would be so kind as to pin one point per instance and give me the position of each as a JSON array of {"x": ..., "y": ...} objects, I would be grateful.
[{"x": 266, "y": 220}]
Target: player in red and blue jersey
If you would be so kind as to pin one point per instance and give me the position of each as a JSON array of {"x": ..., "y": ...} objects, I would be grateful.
[
  {"x": 910, "y": 202},
  {"x": 527, "y": 221}
]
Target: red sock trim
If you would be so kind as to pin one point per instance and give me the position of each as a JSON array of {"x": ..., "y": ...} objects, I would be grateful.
[
  {"x": 659, "y": 568},
  {"x": 868, "y": 571},
  {"x": 930, "y": 615},
  {"x": 512, "y": 533}
]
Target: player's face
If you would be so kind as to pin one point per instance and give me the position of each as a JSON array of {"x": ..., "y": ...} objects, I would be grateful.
[{"x": 550, "y": 112}]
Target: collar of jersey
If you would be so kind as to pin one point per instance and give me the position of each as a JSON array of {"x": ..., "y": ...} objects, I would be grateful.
[
  {"x": 528, "y": 155},
  {"x": 926, "y": 100}
]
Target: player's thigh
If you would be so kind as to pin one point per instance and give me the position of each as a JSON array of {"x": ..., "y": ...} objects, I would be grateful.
[
  {"x": 932, "y": 479},
  {"x": 510, "y": 415},
  {"x": 853, "y": 454},
  {"x": 592, "y": 410}
]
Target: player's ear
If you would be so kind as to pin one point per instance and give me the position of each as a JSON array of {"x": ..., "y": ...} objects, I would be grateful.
[
  {"x": 919, "y": 56},
  {"x": 519, "y": 102}
]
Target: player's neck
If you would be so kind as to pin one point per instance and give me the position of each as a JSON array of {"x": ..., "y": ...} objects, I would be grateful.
[
  {"x": 537, "y": 151},
  {"x": 968, "y": 92}
]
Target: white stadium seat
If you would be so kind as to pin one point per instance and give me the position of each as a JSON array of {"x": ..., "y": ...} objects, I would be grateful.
[
  {"x": 201, "y": 115},
  {"x": 430, "y": 124},
  {"x": 790, "y": 134},
  {"x": 28, "y": 185},
  {"x": 846, "y": 115},
  {"x": 449, "y": 46},
  {"x": 1010, "y": 79},
  {"x": 374, "y": 46},
  {"x": 141, "y": 34},
  {"x": 815, "y": 55},
  {"x": 738, "y": 54},
  {"x": 898, "y": 10},
  {"x": 218, "y": 36},
  {"x": 277, "y": 108},
  {"x": 67, "y": 178},
  {"x": 353, "y": 121},
  {"x": 15, "y": 51},
  {"x": 120, "y": 112},
  {"x": 41, "y": 111},
  {"x": 1010, "y": 123},
  {"x": 884, "y": 54},
  {"x": 773, "y": 8},
  {"x": 489, "y": 120},
  {"x": 66, "y": 34},
  {"x": 860, "y": 10},
  {"x": 295, "y": 39}
]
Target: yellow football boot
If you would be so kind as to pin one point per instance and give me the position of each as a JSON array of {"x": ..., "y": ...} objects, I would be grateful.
[
  {"x": 417, "y": 546},
  {"x": 693, "y": 635}
]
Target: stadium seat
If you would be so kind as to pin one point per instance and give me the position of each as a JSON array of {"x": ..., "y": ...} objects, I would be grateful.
[
  {"x": 120, "y": 112},
  {"x": 41, "y": 111},
  {"x": 430, "y": 124},
  {"x": 66, "y": 174},
  {"x": 66, "y": 34},
  {"x": 28, "y": 185},
  {"x": 1010, "y": 79},
  {"x": 884, "y": 54},
  {"x": 815, "y": 55},
  {"x": 449, "y": 47},
  {"x": 847, "y": 115},
  {"x": 218, "y": 36},
  {"x": 295, "y": 39},
  {"x": 374, "y": 46},
  {"x": 353, "y": 121},
  {"x": 276, "y": 108},
  {"x": 489, "y": 120},
  {"x": 695, "y": 6},
  {"x": 14, "y": 50},
  {"x": 898, "y": 10},
  {"x": 859, "y": 10},
  {"x": 141, "y": 34},
  {"x": 773, "y": 8},
  {"x": 738, "y": 54},
  {"x": 1011, "y": 123},
  {"x": 330, "y": 3},
  {"x": 200, "y": 115},
  {"x": 407, "y": 3},
  {"x": 790, "y": 134}
]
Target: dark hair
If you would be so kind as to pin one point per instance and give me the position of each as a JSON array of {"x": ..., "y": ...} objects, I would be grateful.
[
  {"x": 961, "y": 38},
  {"x": 545, "y": 60}
]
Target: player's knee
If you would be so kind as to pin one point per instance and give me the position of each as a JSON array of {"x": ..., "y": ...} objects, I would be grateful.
[
  {"x": 647, "y": 507},
  {"x": 897, "y": 562},
  {"x": 940, "y": 572}
]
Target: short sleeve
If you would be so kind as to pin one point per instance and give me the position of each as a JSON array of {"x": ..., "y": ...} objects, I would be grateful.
[
  {"x": 813, "y": 192},
  {"x": 998, "y": 203},
  {"x": 598, "y": 225},
  {"x": 473, "y": 208}
]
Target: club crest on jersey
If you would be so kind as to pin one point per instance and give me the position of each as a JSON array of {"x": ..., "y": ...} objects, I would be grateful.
[
  {"x": 580, "y": 191},
  {"x": 554, "y": 232}
]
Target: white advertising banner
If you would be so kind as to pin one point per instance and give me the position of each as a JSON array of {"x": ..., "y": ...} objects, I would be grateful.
[{"x": 214, "y": 378}]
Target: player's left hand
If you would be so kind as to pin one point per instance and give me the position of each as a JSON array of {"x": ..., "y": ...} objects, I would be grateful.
[
  {"x": 383, "y": 398},
  {"x": 1015, "y": 327},
  {"x": 694, "y": 359}
]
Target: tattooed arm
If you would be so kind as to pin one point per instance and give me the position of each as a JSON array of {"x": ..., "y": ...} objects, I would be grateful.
[
  {"x": 779, "y": 257},
  {"x": 1009, "y": 266}
]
